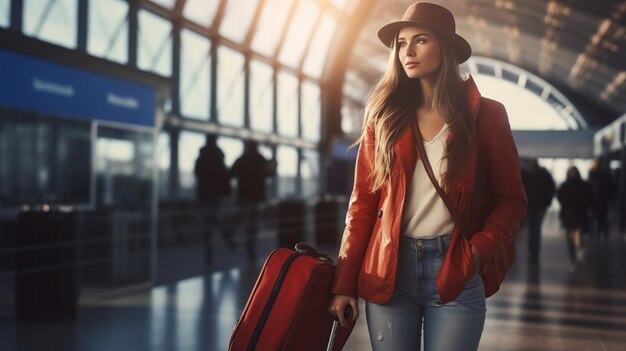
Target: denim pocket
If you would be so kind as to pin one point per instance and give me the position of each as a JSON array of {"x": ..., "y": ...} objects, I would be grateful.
[{"x": 474, "y": 281}]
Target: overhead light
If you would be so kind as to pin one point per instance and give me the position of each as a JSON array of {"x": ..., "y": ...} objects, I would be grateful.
[
  {"x": 604, "y": 27},
  {"x": 509, "y": 5},
  {"x": 614, "y": 86}
]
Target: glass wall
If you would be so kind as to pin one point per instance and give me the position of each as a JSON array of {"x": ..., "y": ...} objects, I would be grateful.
[
  {"x": 43, "y": 159},
  {"x": 55, "y": 22},
  {"x": 165, "y": 3},
  {"x": 261, "y": 95},
  {"x": 287, "y": 99},
  {"x": 163, "y": 157},
  {"x": 115, "y": 237},
  {"x": 316, "y": 55},
  {"x": 271, "y": 24},
  {"x": 201, "y": 11},
  {"x": 108, "y": 29},
  {"x": 351, "y": 116},
  {"x": 287, "y": 171},
  {"x": 266, "y": 151},
  {"x": 309, "y": 173},
  {"x": 230, "y": 87},
  {"x": 195, "y": 75},
  {"x": 124, "y": 168},
  {"x": 189, "y": 145},
  {"x": 109, "y": 170},
  {"x": 155, "y": 43},
  {"x": 5, "y": 12},
  {"x": 237, "y": 19},
  {"x": 299, "y": 32},
  {"x": 311, "y": 113},
  {"x": 232, "y": 149},
  {"x": 284, "y": 59}
]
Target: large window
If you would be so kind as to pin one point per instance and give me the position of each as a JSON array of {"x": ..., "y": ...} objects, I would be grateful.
[
  {"x": 165, "y": 3},
  {"x": 117, "y": 235},
  {"x": 299, "y": 32},
  {"x": 52, "y": 21},
  {"x": 108, "y": 29},
  {"x": 201, "y": 11},
  {"x": 525, "y": 109},
  {"x": 237, "y": 19},
  {"x": 311, "y": 111},
  {"x": 195, "y": 71},
  {"x": 266, "y": 151},
  {"x": 287, "y": 171},
  {"x": 310, "y": 173},
  {"x": 230, "y": 86},
  {"x": 124, "y": 168},
  {"x": 287, "y": 104},
  {"x": 343, "y": 4},
  {"x": 189, "y": 144},
  {"x": 163, "y": 158},
  {"x": 232, "y": 149},
  {"x": 155, "y": 44},
  {"x": 5, "y": 11},
  {"x": 270, "y": 26},
  {"x": 316, "y": 56},
  {"x": 351, "y": 116},
  {"x": 261, "y": 88}
]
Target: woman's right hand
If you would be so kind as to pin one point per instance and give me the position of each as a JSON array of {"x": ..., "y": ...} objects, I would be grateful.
[{"x": 338, "y": 306}]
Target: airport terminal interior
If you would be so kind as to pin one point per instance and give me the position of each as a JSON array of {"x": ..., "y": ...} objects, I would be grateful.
[{"x": 131, "y": 132}]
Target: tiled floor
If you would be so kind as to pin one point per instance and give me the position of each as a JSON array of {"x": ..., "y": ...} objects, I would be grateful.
[{"x": 550, "y": 308}]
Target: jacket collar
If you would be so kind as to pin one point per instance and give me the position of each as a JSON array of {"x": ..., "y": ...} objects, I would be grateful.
[
  {"x": 473, "y": 97},
  {"x": 404, "y": 147}
]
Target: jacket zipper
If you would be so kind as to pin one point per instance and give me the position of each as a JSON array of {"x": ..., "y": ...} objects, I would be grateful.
[{"x": 272, "y": 299}]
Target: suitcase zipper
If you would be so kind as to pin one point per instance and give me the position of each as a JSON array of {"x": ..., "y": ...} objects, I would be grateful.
[{"x": 272, "y": 299}]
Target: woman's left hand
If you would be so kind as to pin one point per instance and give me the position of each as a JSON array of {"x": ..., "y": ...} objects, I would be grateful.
[{"x": 478, "y": 264}]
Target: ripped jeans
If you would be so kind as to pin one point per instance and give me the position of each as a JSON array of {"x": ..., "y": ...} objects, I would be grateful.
[{"x": 398, "y": 324}]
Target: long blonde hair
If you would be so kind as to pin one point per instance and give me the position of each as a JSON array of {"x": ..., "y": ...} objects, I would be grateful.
[{"x": 393, "y": 101}]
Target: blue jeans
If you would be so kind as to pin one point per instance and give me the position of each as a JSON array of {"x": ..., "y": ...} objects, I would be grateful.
[{"x": 397, "y": 325}]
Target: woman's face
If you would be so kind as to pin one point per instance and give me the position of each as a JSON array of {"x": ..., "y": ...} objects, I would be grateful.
[{"x": 419, "y": 52}]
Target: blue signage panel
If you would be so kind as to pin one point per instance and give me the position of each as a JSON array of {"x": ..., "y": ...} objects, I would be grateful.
[
  {"x": 37, "y": 85},
  {"x": 343, "y": 151}
]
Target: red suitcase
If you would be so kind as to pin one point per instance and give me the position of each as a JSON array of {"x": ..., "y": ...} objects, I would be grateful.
[{"x": 288, "y": 306}]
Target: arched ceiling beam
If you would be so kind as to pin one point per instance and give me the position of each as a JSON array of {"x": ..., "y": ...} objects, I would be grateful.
[{"x": 524, "y": 79}]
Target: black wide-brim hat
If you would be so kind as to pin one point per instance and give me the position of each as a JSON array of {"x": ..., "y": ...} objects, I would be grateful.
[{"x": 431, "y": 16}]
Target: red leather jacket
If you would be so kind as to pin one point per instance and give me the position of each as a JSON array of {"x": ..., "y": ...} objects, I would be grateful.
[{"x": 368, "y": 257}]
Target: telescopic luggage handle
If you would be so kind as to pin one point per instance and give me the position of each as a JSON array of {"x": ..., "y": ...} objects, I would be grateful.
[{"x": 333, "y": 331}]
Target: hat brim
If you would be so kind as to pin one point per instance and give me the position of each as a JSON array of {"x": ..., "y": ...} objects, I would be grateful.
[{"x": 461, "y": 47}]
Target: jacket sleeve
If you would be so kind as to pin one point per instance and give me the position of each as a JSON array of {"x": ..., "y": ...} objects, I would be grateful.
[
  {"x": 360, "y": 220},
  {"x": 509, "y": 196}
]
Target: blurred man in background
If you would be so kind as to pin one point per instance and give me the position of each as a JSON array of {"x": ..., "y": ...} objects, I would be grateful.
[{"x": 539, "y": 191}]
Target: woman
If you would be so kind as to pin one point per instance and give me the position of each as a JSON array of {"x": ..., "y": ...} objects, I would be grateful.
[
  {"x": 574, "y": 196},
  {"x": 401, "y": 250}
]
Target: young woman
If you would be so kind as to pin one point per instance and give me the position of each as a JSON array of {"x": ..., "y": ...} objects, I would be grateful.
[{"x": 401, "y": 250}]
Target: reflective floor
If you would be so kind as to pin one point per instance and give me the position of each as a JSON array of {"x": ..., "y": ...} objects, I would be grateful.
[{"x": 552, "y": 307}]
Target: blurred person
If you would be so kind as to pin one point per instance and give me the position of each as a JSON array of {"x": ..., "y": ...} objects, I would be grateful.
[
  {"x": 401, "y": 250},
  {"x": 251, "y": 169},
  {"x": 601, "y": 191},
  {"x": 212, "y": 186},
  {"x": 540, "y": 189},
  {"x": 575, "y": 197}
]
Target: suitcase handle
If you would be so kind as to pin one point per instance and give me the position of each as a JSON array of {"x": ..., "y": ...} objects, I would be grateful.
[
  {"x": 333, "y": 331},
  {"x": 310, "y": 250}
]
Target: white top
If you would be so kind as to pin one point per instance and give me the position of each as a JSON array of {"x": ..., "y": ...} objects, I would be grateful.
[{"x": 425, "y": 214}]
